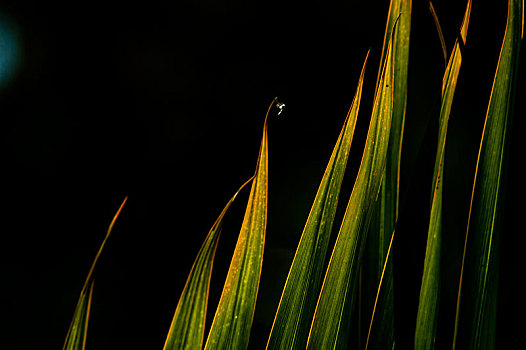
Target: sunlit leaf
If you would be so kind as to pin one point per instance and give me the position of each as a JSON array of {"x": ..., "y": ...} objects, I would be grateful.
[
  {"x": 475, "y": 326},
  {"x": 233, "y": 318},
  {"x": 298, "y": 300},
  {"x": 381, "y": 331},
  {"x": 439, "y": 31},
  {"x": 188, "y": 325},
  {"x": 330, "y": 326},
  {"x": 427, "y": 315},
  {"x": 76, "y": 336}
]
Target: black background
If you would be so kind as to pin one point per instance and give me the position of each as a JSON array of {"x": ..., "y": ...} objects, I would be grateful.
[{"x": 164, "y": 102}]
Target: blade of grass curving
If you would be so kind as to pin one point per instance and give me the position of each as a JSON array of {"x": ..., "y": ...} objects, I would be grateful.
[
  {"x": 475, "y": 323},
  {"x": 439, "y": 31},
  {"x": 427, "y": 316},
  {"x": 76, "y": 336},
  {"x": 187, "y": 330},
  {"x": 233, "y": 318},
  {"x": 298, "y": 300},
  {"x": 386, "y": 212},
  {"x": 329, "y": 328}
]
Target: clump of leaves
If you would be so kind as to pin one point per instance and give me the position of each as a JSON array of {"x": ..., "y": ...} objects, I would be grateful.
[{"x": 317, "y": 305}]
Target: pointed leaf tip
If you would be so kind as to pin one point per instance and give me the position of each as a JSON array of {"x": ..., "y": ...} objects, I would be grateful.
[
  {"x": 188, "y": 324},
  {"x": 299, "y": 296},
  {"x": 77, "y": 332},
  {"x": 233, "y": 318}
]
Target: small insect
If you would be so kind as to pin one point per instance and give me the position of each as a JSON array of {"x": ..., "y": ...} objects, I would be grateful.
[{"x": 279, "y": 105}]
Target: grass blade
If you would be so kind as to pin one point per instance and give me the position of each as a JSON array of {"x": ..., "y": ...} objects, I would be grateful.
[
  {"x": 439, "y": 31},
  {"x": 233, "y": 318},
  {"x": 386, "y": 212},
  {"x": 427, "y": 315},
  {"x": 329, "y": 327},
  {"x": 298, "y": 300},
  {"x": 187, "y": 330},
  {"x": 477, "y": 297},
  {"x": 76, "y": 336}
]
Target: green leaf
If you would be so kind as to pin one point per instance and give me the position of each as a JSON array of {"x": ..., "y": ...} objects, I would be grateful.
[
  {"x": 427, "y": 315},
  {"x": 330, "y": 325},
  {"x": 187, "y": 330},
  {"x": 475, "y": 325},
  {"x": 233, "y": 318},
  {"x": 381, "y": 331},
  {"x": 76, "y": 336},
  {"x": 298, "y": 300}
]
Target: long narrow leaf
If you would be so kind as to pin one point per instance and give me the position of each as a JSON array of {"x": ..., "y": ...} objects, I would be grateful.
[
  {"x": 187, "y": 330},
  {"x": 439, "y": 31},
  {"x": 475, "y": 324},
  {"x": 233, "y": 318},
  {"x": 386, "y": 212},
  {"x": 331, "y": 321},
  {"x": 76, "y": 336},
  {"x": 427, "y": 316},
  {"x": 298, "y": 301}
]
